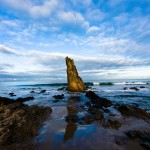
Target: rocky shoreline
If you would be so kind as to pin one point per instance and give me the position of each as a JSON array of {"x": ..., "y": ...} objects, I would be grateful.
[
  {"x": 19, "y": 122},
  {"x": 97, "y": 111}
]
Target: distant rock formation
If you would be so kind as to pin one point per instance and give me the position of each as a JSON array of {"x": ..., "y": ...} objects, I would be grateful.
[{"x": 75, "y": 83}]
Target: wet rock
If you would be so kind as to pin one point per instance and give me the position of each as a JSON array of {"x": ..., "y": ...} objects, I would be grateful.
[
  {"x": 61, "y": 89},
  {"x": 125, "y": 88},
  {"x": 74, "y": 98},
  {"x": 72, "y": 118},
  {"x": 24, "y": 99},
  {"x": 12, "y": 94},
  {"x": 129, "y": 110},
  {"x": 98, "y": 102},
  {"x": 22, "y": 147},
  {"x": 72, "y": 110},
  {"x": 5, "y": 101},
  {"x": 88, "y": 119},
  {"x": 143, "y": 135},
  {"x": 59, "y": 96},
  {"x": 142, "y": 87},
  {"x": 87, "y": 84},
  {"x": 112, "y": 115},
  {"x": 75, "y": 83},
  {"x": 110, "y": 123},
  {"x": 42, "y": 91},
  {"x": 96, "y": 112},
  {"x": 93, "y": 110},
  {"x": 116, "y": 105},
  {"x": 98, "y": 116},
  {"x": 135, "y": 104},
  {"x": 88, "y": 88},
  {"x": 134, "y": 88},
  {"x": 132, "y": 134},
  {"x": 32, "y": 92},
  {"x": 106, "y": 110},
  {"x": 146, "y": 145},
  {"x": 19, "y": 122},
  {"x": 121, "y": 140},
  {"x": 91, "y": 95},
  {"x": 89, "y": 104}
]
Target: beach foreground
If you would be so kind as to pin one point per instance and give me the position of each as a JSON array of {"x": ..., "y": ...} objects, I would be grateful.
[{"x": 49, "y": 117}]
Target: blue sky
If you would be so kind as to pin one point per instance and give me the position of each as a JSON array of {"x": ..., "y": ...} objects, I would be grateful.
[{"x": 108, "y": 39}]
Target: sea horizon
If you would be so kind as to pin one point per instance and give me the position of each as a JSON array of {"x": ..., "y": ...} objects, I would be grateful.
[{"x": 22, "y": 82}]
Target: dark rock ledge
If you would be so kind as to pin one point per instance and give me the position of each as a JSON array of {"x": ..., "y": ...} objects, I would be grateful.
[
  {"x": 18, "y": 121},
  {"x": 96, "y": 101},
  {"x": 129, "y": 110}
]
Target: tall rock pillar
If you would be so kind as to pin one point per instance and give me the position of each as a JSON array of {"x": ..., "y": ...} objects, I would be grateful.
[{"x": 75, "y": 83}]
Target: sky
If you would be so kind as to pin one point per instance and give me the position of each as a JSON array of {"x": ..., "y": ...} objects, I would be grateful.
[{"x": 108, "y": 39}]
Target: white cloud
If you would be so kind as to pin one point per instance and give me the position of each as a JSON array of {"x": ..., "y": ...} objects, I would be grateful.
[
  {"x": 56, "y": 14},
  {"x": 12, "y": 23},
  {"x": 86, "y": 25},
  {"x": 35, "y": 10},
  {"x": 51, "y": 56},
  {"x": 71, "y": 17},
  {"x": 18, "y": 4},
  {"x": 95, "y": 15},
  {"x": 79, "y": 29},
  {"x": 43, "y": 10},
  {"x": 93, "y": 29},
  {"x": 7, "y": 50},
  {"x": 130, "y": 73},
  {"x": 53, "y": 64},
  {"x": 121, "y": 19}
]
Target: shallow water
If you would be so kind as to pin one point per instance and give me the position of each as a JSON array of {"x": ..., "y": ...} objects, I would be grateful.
[{"x": 57, "y": 134}]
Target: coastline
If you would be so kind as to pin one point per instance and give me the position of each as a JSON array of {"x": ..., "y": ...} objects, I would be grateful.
[{"x": 58, "y": 133}]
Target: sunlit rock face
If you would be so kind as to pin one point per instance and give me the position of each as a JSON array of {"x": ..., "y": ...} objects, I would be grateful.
[{"x": 75, "y": 83}]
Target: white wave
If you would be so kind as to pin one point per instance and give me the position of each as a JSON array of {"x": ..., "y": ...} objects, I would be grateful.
[
  {"x": 95, "y": 83},
  {"x": 131, "y": 83}
]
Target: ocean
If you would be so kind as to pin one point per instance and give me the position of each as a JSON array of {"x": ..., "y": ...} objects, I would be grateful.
[{"x": 117, "y": 92}]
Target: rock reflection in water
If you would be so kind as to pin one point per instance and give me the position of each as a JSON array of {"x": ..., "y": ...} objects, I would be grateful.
[
  {"x": 70, "y": 127},
  {"x": 70, "y": 131}
]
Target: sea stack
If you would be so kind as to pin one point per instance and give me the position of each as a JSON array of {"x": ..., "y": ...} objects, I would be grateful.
[{"x": 75, "y": 83}]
